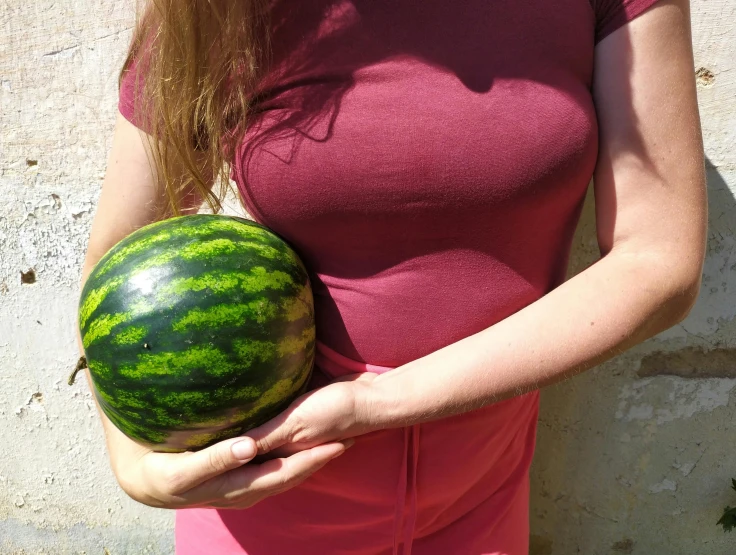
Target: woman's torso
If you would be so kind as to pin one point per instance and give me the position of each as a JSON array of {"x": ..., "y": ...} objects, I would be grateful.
[{"x": 426, "y": 159}]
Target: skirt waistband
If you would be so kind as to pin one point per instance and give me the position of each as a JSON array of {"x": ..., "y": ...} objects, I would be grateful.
[{"x": 336, "y": 365}]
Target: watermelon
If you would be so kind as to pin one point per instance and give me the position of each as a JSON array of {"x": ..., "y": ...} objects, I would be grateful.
[{"x": 196, "y": 329}]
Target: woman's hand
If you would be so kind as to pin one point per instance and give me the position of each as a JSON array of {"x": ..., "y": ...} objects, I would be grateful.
[
  {"x": 218, "y": 476},
  {"x": 336, "y": 412}
]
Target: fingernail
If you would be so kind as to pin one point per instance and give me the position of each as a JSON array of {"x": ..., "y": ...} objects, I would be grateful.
[
  {"x": 243, "y": 450},
  {"x": 348, "y": 443}
]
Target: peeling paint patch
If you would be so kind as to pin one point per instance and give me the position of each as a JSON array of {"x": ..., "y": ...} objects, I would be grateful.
[
  {"x": 691, "y": 362},
  {"x": 664, "y": 485},
  {"x": 637, "y": 412},
  {"x": 669, "y": 399},
  {"x": 684, "y": 468},
  {"x": 688, "y": 398}
]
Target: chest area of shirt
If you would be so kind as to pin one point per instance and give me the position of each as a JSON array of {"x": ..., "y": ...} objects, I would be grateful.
[{"x": 381, "y": 107}]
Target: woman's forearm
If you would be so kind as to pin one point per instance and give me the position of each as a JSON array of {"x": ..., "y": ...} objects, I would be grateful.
[{"x": 623, "y": 299}]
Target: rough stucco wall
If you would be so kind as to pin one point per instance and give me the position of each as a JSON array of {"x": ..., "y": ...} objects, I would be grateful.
[
  {"x": 629, "y": 460},
  {"x": 58, "y": 64}
]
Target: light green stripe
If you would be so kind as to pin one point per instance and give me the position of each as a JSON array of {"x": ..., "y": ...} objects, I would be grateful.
[
  {"x": 260, "y": 310},
  {"x": 295, "y": 308},
  {"x": 211, "y": 359},
  {"x": 291, "y": 345},
  {"x": 182, "y": 400},
  {"x": 251, "y": 350},
  {"x": 94, "y": 298},
  {"x": 200, "y": 440},
  {"x": 246, "y": 394},
  {"x": 130, "y": 399},
  {"x": 106, "y": 396},
  {"x": 281, "y": 390},
  {"x": 126, "y": 425},
  {"x": 245, "y": 230},
  {"x": 204, "y": 250},
  {"x": 102, "y": 326},
  {"x": 259, "y": 279},
  {"x": 137, "y": 246},
  {"x": 99, "y": 369},
  {"x": 131, "y": 335}
]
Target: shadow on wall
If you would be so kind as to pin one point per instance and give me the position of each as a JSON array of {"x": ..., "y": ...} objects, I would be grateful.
[{"x": 703, "y": 346}]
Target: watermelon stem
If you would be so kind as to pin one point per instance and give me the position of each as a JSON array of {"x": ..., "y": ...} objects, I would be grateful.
[{"x": 81, "y": 364}]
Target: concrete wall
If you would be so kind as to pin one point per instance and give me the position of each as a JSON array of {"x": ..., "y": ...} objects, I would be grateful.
[
  {"x": 631, "y": 458},
  {"x": 58, "y": 64}
]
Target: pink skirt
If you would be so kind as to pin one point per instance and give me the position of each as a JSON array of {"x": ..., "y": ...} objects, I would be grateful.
[{"x": 456, "y": 486}]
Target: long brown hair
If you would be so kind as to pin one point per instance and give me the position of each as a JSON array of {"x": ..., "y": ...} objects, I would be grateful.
[{"x": 198, "y": 63}]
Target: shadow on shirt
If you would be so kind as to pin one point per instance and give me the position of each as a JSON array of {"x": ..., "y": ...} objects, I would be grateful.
[{"x": 318, "y": 47}]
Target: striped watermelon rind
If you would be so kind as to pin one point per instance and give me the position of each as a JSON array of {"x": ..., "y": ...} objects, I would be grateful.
[{"x": 196, "y": 329}]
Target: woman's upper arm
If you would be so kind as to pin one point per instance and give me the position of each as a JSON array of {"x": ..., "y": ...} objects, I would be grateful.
[
  {"x": 131, "y": 197},
  {"x": 129, "y": 193},
  {"x": 650, "y": 176}
]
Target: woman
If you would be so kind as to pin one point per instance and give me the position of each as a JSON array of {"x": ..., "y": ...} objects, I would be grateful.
[{"x": 428, "y": 162}]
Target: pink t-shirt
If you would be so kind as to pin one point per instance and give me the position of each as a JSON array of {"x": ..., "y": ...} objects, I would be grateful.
[{"x": 428, "y": 161}]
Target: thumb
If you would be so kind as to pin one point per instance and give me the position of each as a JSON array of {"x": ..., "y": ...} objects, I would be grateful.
[{"x": 199, "y": 466}]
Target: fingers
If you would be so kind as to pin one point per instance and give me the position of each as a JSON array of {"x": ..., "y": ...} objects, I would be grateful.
[
  {"x": 249, "y": 484},
  {"x": 188, "y": 470},
  {"x": 276, "y": 432},
  {"x": 280, "y": 474}
]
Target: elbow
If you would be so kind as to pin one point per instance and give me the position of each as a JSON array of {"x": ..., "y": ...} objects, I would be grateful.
[
  {"x": 671, "y": 273},
  {"x": 682, "y": 303},
  {"x": 670, "y": 281},
  {"x": 682, "y": 295}
]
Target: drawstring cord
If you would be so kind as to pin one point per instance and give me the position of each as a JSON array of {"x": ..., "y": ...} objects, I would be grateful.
[{"x": 407, "y": 485}]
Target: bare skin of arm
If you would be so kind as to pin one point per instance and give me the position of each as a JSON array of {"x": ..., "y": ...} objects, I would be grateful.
[{"x": 214, "y": 477}]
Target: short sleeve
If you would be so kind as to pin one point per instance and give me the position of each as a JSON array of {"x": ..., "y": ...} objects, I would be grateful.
[
  {"x": 130, "y": 87},
  {"x": 612, "y": 14},
  {"x": 131, "y": 102}
]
